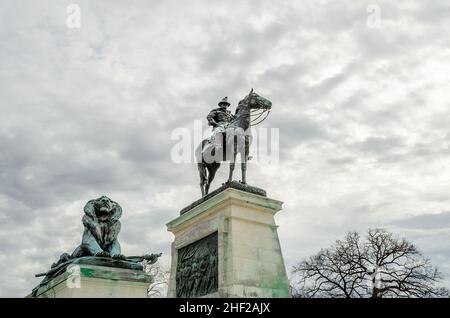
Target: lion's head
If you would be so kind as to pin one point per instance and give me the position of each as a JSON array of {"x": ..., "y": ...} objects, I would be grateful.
[{"x": 104, "y": 209}]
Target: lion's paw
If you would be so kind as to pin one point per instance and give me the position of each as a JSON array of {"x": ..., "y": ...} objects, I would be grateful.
[{"x": 102, "y": 254}]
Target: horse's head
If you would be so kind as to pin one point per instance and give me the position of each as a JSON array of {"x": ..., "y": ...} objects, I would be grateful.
[{"x": 254, "y": 101}]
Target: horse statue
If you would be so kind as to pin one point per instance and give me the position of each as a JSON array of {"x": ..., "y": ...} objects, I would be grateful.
[{"x": 236, "y": 140}]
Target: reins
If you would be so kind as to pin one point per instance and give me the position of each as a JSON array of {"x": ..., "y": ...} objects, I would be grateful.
[
  {"x": 264, "y": 111},
  {"x": 252, "y": 113}
]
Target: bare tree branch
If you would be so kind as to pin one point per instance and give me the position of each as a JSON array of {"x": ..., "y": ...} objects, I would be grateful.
[
  {"x": 380, "y": 266},
  {"x": 158, "y": 288}
]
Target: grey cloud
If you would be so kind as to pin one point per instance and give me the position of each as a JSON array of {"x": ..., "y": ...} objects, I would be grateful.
[
  {"x": 341, "y": 161},
  {"x": 295, "y": 131},
  {"x": 427, "y": 221},
  {"x": 379, "y": 145}
]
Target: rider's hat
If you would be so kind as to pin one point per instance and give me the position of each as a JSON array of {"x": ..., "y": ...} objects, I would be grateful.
[{"x": 224, "y": 101}]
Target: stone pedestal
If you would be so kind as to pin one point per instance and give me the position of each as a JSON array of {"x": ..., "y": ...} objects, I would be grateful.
[
  {"x": 249, "y": 258},
  {"x": 90, "y": 281}
]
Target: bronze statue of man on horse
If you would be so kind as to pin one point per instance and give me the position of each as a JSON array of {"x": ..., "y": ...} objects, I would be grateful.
[{"x": 231, "y": 135}]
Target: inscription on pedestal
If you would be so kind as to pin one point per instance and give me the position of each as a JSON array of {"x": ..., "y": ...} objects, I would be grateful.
[{"x": 197, "y": 268}]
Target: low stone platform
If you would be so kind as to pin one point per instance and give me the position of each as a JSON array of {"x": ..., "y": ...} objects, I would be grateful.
[{"x": 88, "y": 279}]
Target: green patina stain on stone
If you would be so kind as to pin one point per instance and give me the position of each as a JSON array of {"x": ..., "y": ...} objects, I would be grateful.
[
  {"x": 88, "y": 272},
  {"x": 279, "y": 287},
  {"x": 91, "y": 272},
  {"x": 115, "y": 276}
]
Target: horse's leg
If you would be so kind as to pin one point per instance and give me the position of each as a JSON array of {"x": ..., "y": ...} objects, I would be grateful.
[
  {"x": 212, "y": 169},
  {"x": 224, "y": 147},
  {"x": 202, "y": 172},
  {"x": 233, "y": 160},
  {"x": 244, "y": 157}
]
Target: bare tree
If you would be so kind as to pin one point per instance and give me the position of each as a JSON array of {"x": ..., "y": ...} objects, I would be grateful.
[
  {"x": 379, "y": 266},
  {"x": 158, "y": 288}
]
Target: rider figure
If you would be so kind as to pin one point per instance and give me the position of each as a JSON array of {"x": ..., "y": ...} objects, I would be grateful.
[{"x": 219, "y": 118}]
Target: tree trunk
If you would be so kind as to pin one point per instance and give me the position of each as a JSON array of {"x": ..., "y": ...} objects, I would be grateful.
[{"x": 376, "y": 293}]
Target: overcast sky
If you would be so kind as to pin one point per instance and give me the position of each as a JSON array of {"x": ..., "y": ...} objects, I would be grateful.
[{"x": 362, "y": 106}]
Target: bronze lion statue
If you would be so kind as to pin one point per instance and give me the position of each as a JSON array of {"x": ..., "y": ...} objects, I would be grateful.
[
  {"x": 99, "y": 244},
  {"x": 101, "y": 228}
]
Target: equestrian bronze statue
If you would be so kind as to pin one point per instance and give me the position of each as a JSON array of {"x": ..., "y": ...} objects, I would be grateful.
[{"x": 231, "y": 136}]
